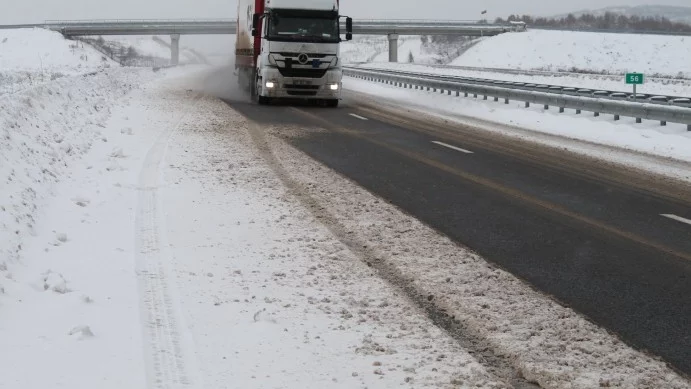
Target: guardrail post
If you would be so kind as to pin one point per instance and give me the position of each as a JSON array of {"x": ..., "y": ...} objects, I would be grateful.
[
  {"x": 596, "y": 114},
  {"x": 506, "y": 101},
  {"x": 475, "y": 95},
  {"x": 561, "y": 109},
  {"x": 688, "y": 127},
  {"x": 485, "y": 97},
  {"x": 449, "y": 92},
  {"x": 616, "y": 117},
  {"x": 527, "y": 104},
  {"x": 639, "y": 120},
  {"x": 465, "y": 94},
  {"x": 578, "y": 112},
  {"x": 546, "y": 107},
  {"x": 458, "y": 93},
  {"x": 663, "y": 122},
  {"x": 175, "y": 49},
  {"x": 393, "y": 47}
]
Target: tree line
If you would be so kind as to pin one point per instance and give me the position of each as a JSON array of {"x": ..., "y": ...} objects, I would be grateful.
[{"x": 607, "y": 21}]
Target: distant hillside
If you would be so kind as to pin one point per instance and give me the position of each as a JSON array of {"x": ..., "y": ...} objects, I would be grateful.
[
  {"x": 651, "y": 19},
  {"x": 673, "y": 13}
]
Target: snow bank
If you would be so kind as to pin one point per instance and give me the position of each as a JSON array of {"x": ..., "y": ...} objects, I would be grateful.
[
  {"x": 33, "y": 56},
  {"x": 583, "y": 51},
  {"x": 45, "y": 131},
  {"x": 70, "y": 303}
]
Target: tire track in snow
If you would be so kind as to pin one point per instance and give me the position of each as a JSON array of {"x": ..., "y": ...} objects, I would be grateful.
[{"x": 168, "y": 355}]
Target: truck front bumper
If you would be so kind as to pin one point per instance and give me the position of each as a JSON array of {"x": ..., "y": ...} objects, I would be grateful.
[{"x": 275, "y": 85}]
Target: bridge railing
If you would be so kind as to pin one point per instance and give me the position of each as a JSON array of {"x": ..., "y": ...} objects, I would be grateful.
[{"x": 136, "y": 21}]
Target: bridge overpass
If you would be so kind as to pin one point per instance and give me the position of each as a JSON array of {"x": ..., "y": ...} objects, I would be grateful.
[{"x": 175, "y": 28}]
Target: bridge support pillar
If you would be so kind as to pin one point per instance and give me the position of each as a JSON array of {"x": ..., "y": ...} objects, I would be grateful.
[
  {"x": 393, "y": 47},
  {"x": 175, "y": 49}
]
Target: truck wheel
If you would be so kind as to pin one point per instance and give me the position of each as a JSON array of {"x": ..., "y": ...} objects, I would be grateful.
[
  {"x": 262, "y": 100},
  {"x": 332, "y": 103}
]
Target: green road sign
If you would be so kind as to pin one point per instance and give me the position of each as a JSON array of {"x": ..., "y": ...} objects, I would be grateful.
[{"x": 634, "y": 78}]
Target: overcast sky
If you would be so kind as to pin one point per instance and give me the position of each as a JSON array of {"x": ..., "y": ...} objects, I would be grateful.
[{"x": 33, "y": 11}]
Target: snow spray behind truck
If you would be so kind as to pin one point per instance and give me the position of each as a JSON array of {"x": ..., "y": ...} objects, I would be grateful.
[{"x": 290, "y": 49}]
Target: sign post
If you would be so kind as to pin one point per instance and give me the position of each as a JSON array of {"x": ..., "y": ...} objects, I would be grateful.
[{"x": 634, "y": 79}]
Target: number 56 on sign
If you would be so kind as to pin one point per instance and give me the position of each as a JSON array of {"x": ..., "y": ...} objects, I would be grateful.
[{"x": 634, "y": 78}]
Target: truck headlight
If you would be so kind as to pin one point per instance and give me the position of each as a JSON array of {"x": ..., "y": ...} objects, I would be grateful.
[
  {"x": 333, "y": 86},
  {"x": 334, "y": 62},
  {"x": 272, "y": 60},
  {"x": 270, "y": 84}
]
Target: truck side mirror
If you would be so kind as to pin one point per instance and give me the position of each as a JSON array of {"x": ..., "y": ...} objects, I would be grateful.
[
  {"x": 349, "y": 29},
  {"x": 255, "y": 25}
]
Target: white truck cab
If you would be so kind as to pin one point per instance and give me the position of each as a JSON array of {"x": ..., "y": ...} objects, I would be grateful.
[{"x": 299, "y": 51}]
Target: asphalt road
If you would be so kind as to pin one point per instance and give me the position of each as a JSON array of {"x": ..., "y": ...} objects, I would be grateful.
[{"x": 591, "y": 237}]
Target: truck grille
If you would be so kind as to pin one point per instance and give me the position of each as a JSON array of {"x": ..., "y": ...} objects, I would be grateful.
[
  {"x": 302, "y": 72},
  {"x": 302, "y": 92},
  {"x": 293, "y": 86},
  {"x": 309, "y": 55}
]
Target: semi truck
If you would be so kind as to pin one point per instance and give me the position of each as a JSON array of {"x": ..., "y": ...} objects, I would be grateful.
[{"x": 290, "y": 49}]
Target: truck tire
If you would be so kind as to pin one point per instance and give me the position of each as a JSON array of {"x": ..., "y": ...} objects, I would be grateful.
[
  {"x": 332, "y": 103},
  {"x": 263, "y": 100}
]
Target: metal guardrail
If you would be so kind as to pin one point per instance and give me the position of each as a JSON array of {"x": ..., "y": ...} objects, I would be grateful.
[
  {"x": 18, "y": 26},
  {"x": 649, "y": 111},
  {"x": 681, "y": 101}
]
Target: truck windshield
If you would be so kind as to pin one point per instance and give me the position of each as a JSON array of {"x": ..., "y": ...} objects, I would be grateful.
[{"x": 287, "y": 27}]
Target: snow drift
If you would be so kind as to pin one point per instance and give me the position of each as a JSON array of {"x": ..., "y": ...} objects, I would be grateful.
[{"x": 654, "y": 55}]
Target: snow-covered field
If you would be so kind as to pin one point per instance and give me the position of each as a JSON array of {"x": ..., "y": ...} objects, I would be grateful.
[
  {"x": 152, "y": 237},
  {"x": 31, "y": 57},
  {"x": 654, "y": 55}
]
